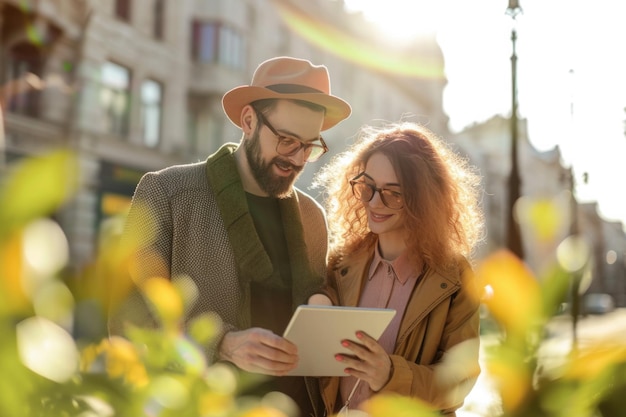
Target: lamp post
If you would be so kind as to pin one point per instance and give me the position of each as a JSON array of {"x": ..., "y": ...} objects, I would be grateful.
[{"x": 513, "y": 237}]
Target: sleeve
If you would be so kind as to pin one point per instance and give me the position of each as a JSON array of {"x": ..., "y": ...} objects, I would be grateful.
[
  {"x": 147, "y": 242},
  {"x": 316, "y": 237},
  {"x": 145, "y": 248},
  {"x": 450, "y": 377}
]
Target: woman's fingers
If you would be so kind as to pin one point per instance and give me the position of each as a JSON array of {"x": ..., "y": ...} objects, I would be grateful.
[{"x": 369, "y": 361}]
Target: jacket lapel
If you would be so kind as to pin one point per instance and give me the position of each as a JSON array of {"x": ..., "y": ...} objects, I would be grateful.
[
  {"x": 351, "y": 279},
  {"x": 301, "y": 273},
  {"x": 250, "y": 256},
  {"x": 429, "y": 291}
]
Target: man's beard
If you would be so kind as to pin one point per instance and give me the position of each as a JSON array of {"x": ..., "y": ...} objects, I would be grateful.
[{"x": 274, "y": 185}]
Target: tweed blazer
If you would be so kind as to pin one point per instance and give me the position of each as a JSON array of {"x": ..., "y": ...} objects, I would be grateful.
[
  {"x": 441, "y": 314},
  {"x": 193, "y": 220}
]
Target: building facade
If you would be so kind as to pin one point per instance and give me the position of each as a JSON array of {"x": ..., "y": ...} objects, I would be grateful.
[
  {"x": 135, "y": 86},
  {"x": 547, "y": 210}
]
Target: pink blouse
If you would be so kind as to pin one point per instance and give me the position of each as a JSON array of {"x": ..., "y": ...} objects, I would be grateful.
[{"x": 389, "y": 285}]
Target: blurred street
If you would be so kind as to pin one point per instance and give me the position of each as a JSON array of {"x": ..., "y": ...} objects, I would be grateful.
[
  {"x": 591, "y": 330},
  {"x": 484, "y": 400}
]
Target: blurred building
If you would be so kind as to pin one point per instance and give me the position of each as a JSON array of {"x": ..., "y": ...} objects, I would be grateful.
[
  {"x": 609, "y": 253},
  {"x": 614, "y": 265},
  {"x": 548, "y": 211},
  {"x": 134, "y": 86}
]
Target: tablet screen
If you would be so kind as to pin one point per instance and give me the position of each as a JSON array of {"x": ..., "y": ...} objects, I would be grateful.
[{"x": 319, "y": 330}]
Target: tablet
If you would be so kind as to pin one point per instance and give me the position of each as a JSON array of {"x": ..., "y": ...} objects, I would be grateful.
[{"x": 319, "y": 330}]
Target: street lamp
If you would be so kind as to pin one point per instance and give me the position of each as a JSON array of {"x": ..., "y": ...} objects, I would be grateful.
[{"x": 513, "y": 238}]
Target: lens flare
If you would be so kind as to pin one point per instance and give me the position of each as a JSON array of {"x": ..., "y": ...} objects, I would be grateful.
[{"x": 328, "y": 37}]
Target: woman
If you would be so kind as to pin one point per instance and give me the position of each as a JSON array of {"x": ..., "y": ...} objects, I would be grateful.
[{"x": 404, "y": 218}]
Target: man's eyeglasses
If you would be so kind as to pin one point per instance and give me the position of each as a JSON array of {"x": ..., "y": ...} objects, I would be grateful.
[
  {"x": 288, "y": 146},
  {"x": 365, "y": 192}
]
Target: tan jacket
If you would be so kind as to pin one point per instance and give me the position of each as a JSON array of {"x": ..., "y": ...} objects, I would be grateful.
[{"x": 442, "y": 313}]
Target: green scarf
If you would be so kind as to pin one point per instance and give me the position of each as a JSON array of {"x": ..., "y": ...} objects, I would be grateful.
[{"x": 250, "y": 256}]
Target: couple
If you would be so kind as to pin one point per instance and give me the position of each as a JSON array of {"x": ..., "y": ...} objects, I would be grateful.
[{"x": 403, "y": 216}]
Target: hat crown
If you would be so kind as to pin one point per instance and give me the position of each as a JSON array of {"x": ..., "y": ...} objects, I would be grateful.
[
  {"x": 299, "y": 74},
  {"x": 291, "y": 79}
]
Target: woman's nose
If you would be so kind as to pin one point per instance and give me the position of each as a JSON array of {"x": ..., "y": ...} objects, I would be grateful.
[{"x": 376, "y": 200}]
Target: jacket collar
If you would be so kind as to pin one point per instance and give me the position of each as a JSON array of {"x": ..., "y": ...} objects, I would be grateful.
[{"x": 402, "y": 267}]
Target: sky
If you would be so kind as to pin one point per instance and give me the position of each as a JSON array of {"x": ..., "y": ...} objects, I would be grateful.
[{"x": 571, "y": 76}]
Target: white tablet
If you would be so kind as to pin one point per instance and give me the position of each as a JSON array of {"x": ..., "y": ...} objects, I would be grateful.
[{"x": 319, "y": 330}]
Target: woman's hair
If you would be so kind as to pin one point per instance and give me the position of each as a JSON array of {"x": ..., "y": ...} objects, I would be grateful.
[{"x": 441, "y": 192}]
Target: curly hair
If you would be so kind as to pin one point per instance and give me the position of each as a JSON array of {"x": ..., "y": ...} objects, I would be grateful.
[{"x": 441, "y": 192}]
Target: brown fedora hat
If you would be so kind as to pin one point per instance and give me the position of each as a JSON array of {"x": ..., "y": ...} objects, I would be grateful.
[{"x": 287, "y": 78}]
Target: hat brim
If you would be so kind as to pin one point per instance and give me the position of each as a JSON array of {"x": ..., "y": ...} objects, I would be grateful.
[{"x": 235, "y": 100}]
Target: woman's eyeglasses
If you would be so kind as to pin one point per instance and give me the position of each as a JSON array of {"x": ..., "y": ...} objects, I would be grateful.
[
  {"x": 365, "y": 192},
  {"x": 288, "y": 146}
]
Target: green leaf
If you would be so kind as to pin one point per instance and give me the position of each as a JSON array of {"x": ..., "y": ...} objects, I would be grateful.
[{"x": 37, "y": 187}]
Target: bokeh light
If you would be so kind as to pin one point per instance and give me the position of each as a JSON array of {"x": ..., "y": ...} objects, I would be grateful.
[
  {"x": 573, "y": 253},
  {"x": 47, "y": 349},
  {"x": 46, "y": 250},
  {"x": 169, "y": 392}
]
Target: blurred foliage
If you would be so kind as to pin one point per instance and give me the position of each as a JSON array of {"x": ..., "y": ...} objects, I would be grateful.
[{"x": 56, "y": 358}]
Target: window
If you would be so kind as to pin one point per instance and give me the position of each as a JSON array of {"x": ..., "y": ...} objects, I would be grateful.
[
  {"x": 23, "y": 80},
  {"x": 151, "y": 105},
  {"x": 204, "y": 128},
  {"x": 230, "y": 47},
  {"x": 122, "y": 9},
  {"x": 204, "y": 48},
  {"x": 216, "y": 43},
  {"x": 158, "y": 22},
  {"x": 115, "y": 97}
]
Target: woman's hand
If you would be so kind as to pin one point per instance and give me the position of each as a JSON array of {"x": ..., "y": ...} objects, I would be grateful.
[{"x": 370, "y": 362}]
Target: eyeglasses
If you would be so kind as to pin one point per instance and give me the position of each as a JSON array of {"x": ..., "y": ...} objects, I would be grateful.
[
  {"x": 288, "y": 146},
  {"x": 365, "y": 192}
]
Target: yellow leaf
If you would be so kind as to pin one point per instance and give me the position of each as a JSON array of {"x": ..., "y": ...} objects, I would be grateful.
[
  {"x": 512, "y": 378},
  {"x": 37, "y": 187},
  {"x": 385, "y": 405},
  {"x": 166, "y": 300},
  {"x": 122, "y": 360},
  {"x": 595, "y": 360},
  {"x": 13, "y": 299},
  {"x": 515, "y": 300},
  {"x": 263, "y": 411}
]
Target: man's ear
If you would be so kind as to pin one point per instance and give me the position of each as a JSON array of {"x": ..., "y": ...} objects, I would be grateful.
[{"x": 248, "y": 119}]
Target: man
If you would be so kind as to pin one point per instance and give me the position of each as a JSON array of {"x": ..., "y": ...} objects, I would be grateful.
[{"x": 253, "y": 244}]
